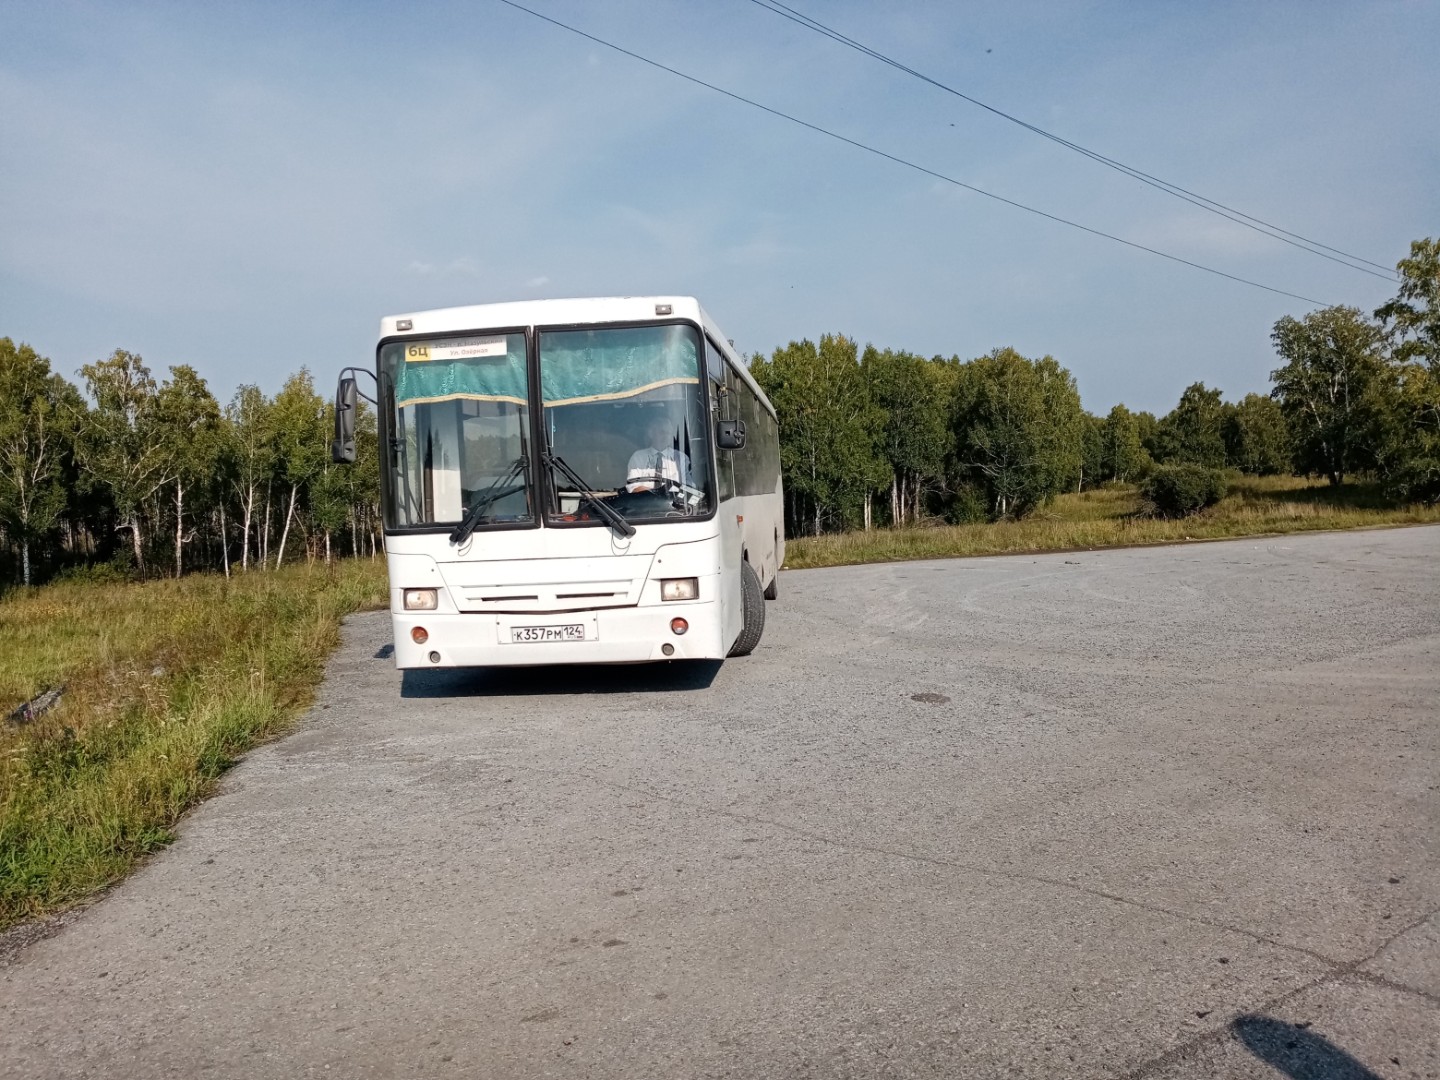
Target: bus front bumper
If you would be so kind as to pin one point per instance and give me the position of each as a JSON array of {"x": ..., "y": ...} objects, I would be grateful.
[{"x": 612, "y": 636}]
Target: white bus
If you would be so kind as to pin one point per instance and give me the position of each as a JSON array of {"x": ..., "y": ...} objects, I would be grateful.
[{"x": 571, "y": 481}]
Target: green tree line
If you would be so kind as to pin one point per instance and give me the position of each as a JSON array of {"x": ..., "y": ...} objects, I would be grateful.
[
  {"x": 160, "y": 478},
  {"x": 882, "y": 437},
  {"x": 157, "y": 477}
]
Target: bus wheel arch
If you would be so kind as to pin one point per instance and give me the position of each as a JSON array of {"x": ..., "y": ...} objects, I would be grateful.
[{"x": 772, "y": 591}]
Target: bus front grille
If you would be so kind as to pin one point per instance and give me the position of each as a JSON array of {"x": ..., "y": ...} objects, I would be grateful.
[
  {"x": 547, "y": 584},
  {"x": 563, "y": 596}
]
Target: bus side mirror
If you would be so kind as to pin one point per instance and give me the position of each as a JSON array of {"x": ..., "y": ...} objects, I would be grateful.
[
  {"x": 342, "y": 450},
  {"x": 730, "y": 434}
]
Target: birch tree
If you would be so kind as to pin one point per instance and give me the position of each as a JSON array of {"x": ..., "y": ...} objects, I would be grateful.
[
  {"x": 300, "y": 444},
  {"x": 249, "y": 452},
  {"x": 187, "y": 425},
  {"x": 1413, "y": 317},
  {"x": 1334, "y": 367},
  {"x": 361, "y": 481},
  {"x": 1194, "y": 430},
  {"x": 35, "y": 440},
  {"x": 1122, "y": 455},
  {"x": 829, "y": 430},
  {"x": 119, "y": 445},
  {"x": 911, "y": 397},
  {"x": 1256, "y": 438},
  {"x": 1017, "y": 427},
  {"x": 1409, "y": 443},
  {"x": 1092, "y": 451}
]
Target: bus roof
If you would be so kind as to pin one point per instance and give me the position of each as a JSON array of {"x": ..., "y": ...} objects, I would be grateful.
[{"x": 570, "y": 312}]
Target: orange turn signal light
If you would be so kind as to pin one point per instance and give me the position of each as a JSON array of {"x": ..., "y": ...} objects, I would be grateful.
[
  {"x": 419, "y": 635},
  {"x": 678, "y": 626}
]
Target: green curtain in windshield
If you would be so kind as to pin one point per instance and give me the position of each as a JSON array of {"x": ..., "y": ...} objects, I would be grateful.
[
  {"x": 575, "y": 366},
  {"x": 604, "y": 365},
  {"x": 427, "y": 374}
]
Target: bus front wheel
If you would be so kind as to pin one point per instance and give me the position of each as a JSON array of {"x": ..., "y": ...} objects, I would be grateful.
[{"x": 753, "y": 598}]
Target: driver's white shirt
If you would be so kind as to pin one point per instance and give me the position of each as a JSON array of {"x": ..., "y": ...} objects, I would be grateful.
[{"x": 649, "y": 467}]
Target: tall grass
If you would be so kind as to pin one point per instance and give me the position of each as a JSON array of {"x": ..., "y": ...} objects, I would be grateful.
[
  {"x": 166, "y": 684},
  {"x": 1110, "y": 517}
]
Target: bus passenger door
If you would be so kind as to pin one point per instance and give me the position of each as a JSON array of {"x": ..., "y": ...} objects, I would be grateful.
[
  {"x": 730, "y": 515},
  {"x": 732, "y": 553}
]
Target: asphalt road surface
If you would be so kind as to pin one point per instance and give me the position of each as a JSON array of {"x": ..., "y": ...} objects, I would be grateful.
[{"x": 1170, "y": 812}]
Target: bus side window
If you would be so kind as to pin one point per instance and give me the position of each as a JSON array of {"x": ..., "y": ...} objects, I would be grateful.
[
  {"x": 725, "y": 468},
  {"x": 731, "y": 411},
  {"x": 714, "y": 365},
  {"x": 745, "y": 460},
  {"x": 725, "y": 407}
]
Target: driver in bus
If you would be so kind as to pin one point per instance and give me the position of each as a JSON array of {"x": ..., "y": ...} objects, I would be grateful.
[{"x": 659, "y": 466}]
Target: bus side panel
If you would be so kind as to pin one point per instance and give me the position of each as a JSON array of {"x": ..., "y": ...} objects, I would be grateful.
[
  {"x": 779, "y": 512},
  {"x": 732, "y": 547},
  {"x": 763, "y": 533}
]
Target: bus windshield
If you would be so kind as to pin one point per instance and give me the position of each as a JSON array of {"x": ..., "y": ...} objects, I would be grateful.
[
  {"x": 622, "y": 408},
  {"x": 457, "y": 418}
]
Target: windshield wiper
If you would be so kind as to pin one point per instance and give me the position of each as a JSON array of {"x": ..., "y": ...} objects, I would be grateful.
[
  {"x": 613, "y": 517},
  {"x": 501, "y": 487}
]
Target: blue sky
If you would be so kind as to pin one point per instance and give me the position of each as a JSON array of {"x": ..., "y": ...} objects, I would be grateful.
[{"x": 249, "y": 188}]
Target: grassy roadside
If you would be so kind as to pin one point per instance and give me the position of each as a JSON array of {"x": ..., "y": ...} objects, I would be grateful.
[
  {"x": 167, "y": 682},
  {"x": 1255, "y": 506}
]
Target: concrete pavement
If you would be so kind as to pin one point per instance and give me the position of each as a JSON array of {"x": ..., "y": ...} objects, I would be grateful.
[{"x": 1150, "y": 813}]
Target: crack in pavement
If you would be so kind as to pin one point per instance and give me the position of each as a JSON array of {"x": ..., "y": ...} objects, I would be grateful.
[
  {"x": 1339, "y": 966},
  {"x": 1343, "y": 972}
]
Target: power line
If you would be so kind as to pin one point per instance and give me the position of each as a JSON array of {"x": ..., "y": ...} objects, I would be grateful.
[
  {"x": 1239, "y": 217},
  {"x": 1259, "y": 225},
  {"x": 902, "y": 161}
]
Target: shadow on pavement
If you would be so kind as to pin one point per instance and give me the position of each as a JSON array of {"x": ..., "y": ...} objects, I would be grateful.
[
  {"x": 659, "y": 678},
  {"x": 1296, "y": 1052}
]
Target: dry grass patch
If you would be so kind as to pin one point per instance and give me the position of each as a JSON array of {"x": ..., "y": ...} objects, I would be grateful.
[
  {"x": 1110, "y": 517},
  {"x": 166, "y": 684}
]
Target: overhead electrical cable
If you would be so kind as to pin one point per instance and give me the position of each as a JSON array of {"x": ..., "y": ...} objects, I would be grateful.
[
  {"x": 1239, "y": 217},
  {"x": 902, "y": 161}
]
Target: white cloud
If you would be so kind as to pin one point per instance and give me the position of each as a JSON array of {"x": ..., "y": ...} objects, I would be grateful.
[
  {"x": 464, "y": 266},
  {"x": 1195, "y": 235},
  {"x": 759, "y": 251}
]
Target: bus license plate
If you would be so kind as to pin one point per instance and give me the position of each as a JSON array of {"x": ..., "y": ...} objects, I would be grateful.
[{"x": 566, "y": 632}]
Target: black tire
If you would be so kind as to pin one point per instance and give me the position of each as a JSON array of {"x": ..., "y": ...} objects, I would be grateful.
[
  {"x": 772, "y": 591},
  {"x": 754, "y": 601}
]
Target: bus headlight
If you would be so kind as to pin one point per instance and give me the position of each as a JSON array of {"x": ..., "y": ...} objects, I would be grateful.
[
  {"x": 679, "y": 588},
  {"x": 420, "y": 599}
]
